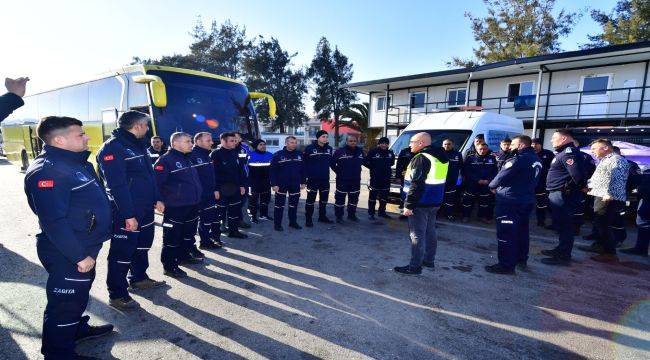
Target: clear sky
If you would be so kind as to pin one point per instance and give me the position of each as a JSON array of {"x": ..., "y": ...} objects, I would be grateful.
[{"x": 65, "y": 41}]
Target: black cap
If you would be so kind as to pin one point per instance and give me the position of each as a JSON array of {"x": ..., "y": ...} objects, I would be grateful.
[
  {"x": 257, "y": 142},
  {"x": 320, "y": 133},
  {"x": 479, "y": 136},
  {"x": 383, "y": 140}
]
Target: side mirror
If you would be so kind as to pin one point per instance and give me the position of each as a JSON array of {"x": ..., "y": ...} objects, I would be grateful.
[
  {"x": 156, "y": 88},
  {"x": 269, "y": 98}
]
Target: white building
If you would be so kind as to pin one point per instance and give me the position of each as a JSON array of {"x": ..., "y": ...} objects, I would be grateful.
[{"x": 605, "y": 86}]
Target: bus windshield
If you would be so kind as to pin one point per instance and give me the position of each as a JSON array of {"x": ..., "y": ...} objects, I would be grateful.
[
  {"x": 196, "y": 103},
  {"x": 437, "y": 136}
]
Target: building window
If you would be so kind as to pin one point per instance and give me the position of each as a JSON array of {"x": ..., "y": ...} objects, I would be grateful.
[
  {"x": 456, "y": 96},
  {"x": 595, "y": 85},
  {"x": 417, "y": 100},
  {"x": 520, "y": 89},
  {"x": 381, "y": 102}
]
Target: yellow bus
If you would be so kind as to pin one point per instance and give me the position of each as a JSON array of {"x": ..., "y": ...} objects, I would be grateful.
[{"x": 176, "y": 99}]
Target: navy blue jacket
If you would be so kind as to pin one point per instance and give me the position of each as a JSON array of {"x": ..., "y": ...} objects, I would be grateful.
[
  {"x": 154, "y": 155},
  {"x": 347, "y": 163},
  {"x": 126, "y": 169},
  {"x": 403, "y": 159},
  {"x": 259, "y": 166},
  {"x": 517, "y": 179},
  {"x": 73, "y": 210},
  {"x": 545, "y": 157},
  {"x": 317, "y": 160},
  {"x": 455, "y": 166},
  {"x": 634, "y": 176},
  {"x": 229, "y": 170},
  {"x": 379, "y": 162},
  {"x": 477, "y": 167},
  {"x": 243, "y": 152},
  {"x": 567, "y": 171},
  {"x": 8, "y": 103},
  {"x": 201, "y": 161},
  {"x": 287, "y": 169},
  {"x": 589, "y": 164},
  {"x": 177, "y": 180},
  {"x": 501, "y": 157}
]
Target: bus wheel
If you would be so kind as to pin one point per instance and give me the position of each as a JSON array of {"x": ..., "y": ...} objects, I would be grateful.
[{"x": 25, "y": 160}]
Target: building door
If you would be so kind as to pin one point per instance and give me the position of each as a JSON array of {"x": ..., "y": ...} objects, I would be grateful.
[{"x": 594, "y": 102}]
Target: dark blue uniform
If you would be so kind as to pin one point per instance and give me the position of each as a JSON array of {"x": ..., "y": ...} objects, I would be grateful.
[
  {"x": 317, "y": 161},
  {"x": 643, "y": 216},
  {"x": 126, "y": 169},
  {"x": 155, "y": 154},
  {"x": 451, "y": 185},
  {"x": 180, "y": 189},
  {"x": 565, "y": 180},
  {"x": 74, "y": 215},
  {"x": 259, "y": 166},
  {"x": 586, "y": 201},
  {"x": 347, "y": 166},
  {"x": 230, "y": 176},
  {"x": 403, "y": 159},
  {"x": 541, "y": 195},
  {"x": 243, "y": 152},
  {"x": 477, "y": 168},
  {"x": 8, "y": 103},
  {"x": 501, "y": 157},
  {"x": 380, "y": 163},
  {"x": 287, "y": 173},
  {"x": 209, "y": 227},
  {"x": 515, "y": 198}
]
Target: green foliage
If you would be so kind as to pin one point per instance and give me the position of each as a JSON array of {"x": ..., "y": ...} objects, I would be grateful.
[
  {"x": 515, "y": 29},
  {"x": 629, "y": 22}
]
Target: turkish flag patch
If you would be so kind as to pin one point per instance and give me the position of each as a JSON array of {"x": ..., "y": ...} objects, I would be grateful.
[
  {"x": 159, "y": 168},
  {"x": 569, "y": 162},
  {"x": 44, "y": 184},
  {"x": 109, "y": 157}
]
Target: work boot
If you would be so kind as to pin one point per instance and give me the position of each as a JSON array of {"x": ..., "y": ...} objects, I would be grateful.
[
  {"x": 190, "y": 260},
  {"x": 557, "y": 261},
  {"x": 237, "y": 235},
  {"x": 95, "y": 332},
  {"x": 499, "y": 269},
  {"x": 295, "y": 226},
  {"x": 407, "y": 270},
  {"x": 145, "y": 284},
  {"x": 605, "y": 258},
  {"x": 209, "y": 245},
  {"x": 254, "y": 220},
  {"x": 325, "y": 220},
  {"x": 385, "y": 216},
  {"x": 176, "y": 273},
  {"x": 278, "y": 228},
  {"x": 197, "y": 254},
  {"x": 243, "y": 225},
  {"x": 309, "y": 223},
  {"x": 634, "y": 251},
  {"x": 353, "y": 218},
  {"x": 550, "y": 252},
  {"x": 371, "y": 217},
  {"x": 428, "y": 264},
  {"x": 123, "y": 303}
]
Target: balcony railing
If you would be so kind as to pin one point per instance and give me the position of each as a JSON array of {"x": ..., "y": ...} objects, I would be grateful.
[{"x": 616, "y": 103}]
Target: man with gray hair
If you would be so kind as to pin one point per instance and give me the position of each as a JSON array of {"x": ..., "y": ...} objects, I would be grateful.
[
  {"x": 608, "y": 187},
  {"x": 424, "y": 184},
  {"x": 180, "y": 189},
  {"x": 126, "y": 169}
]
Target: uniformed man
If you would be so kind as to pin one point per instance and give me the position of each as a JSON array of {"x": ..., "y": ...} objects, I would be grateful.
[
  {"x": 478, "y": 171},
  {"x": 478, "y": 140},
  {"x": 586, "y": 201},
  {"x": 209, "y": 228},
  {"x": 259, "y": 166},
  {"x": 514, "y": 187},
  {"x": 156, "y": 149},
  {"x": 287, "y": 178},
  {"x": 633, "y": 180},
  {"x": 504, "y": 152},
  {"x": 317, "y": 160},
  {"x": 403, "y": 159},
  {"x": 243, "y": 152},
  {"x": 13, "y": 99},
  {"x": 74, "y": 215},
  {"x": 642, "y": 220},
  {"x": 129, "y": 178},
  {"x": 565, "y": 183},
  {"x": 346, "y": 164},
  {"x": 379, "y": 161},
  {"x": 541, "y": 195},
  {"x": 181, "y": 192},
  {"x": 231, "y": 181},
  {"x": 452, "y": 183}
]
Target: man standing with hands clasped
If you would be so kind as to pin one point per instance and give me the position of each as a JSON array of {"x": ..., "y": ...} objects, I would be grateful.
[{"x": 424, "y": 184}]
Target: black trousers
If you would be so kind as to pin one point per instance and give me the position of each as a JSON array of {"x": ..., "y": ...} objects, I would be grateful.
[
  {"x": 606, "y": 214},
  {"x": 541, "y": 205},
  {"x": 179, "y": 228},
  {"x": 378, "y": 192},
  {"x": 259, "y": 201},
  {"x": 293, "y": 193},
  {"x": 351, "y": 190},
  {"x": 320, "y": 187},
  {"x": 449, "y": 201},
  {"x": 229, "y": 211}
]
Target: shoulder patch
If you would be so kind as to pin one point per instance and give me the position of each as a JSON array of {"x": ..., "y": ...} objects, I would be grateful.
[
  {"x": 44, "y": 184},
  {"x": 109, "y": 157},
  {"x": 569, "y": 162},
  {"x": 568, "y": 150},
  {"x": 159, "y": 168},
  {"x": 508, "y": 165}
]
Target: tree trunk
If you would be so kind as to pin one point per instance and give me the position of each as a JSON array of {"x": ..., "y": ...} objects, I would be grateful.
[{"x": 336, "y": 129}]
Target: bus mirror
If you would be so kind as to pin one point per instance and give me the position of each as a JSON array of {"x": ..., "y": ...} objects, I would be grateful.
[
  {"x": 269, "y": 98},
  {"x": 156, "y": 88}
]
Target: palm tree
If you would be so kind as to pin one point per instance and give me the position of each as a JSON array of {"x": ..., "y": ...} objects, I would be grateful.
[{"x": 356, "y": 117}]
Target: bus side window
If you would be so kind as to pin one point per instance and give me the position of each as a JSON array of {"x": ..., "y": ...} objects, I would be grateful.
[{"x": 109, "y": 122}]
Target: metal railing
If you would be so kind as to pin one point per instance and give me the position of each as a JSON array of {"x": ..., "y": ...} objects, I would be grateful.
[{"x": 614, "y": 103}]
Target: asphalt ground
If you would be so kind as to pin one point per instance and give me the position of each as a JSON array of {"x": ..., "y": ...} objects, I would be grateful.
[{"x": 330, "y": 292}]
